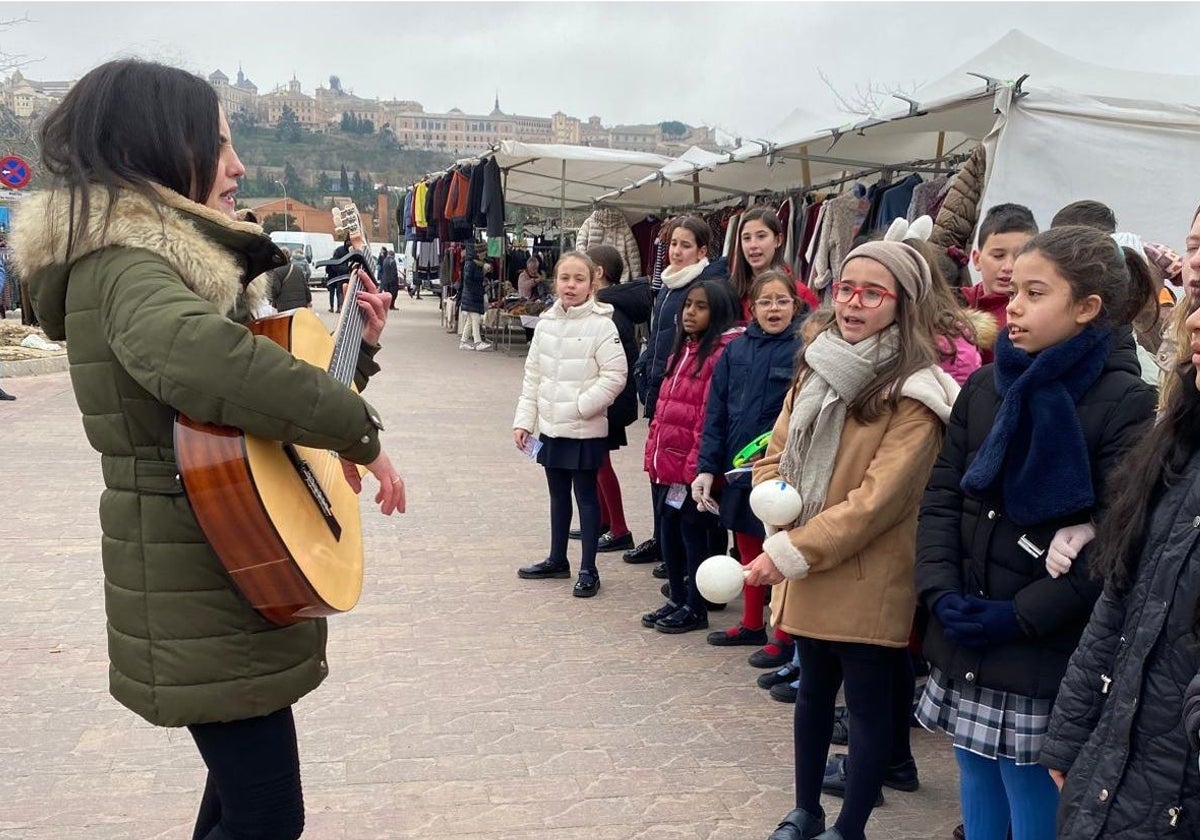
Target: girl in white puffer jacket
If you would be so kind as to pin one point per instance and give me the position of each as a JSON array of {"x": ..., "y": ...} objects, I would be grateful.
[{"x": 574, "y": 370}]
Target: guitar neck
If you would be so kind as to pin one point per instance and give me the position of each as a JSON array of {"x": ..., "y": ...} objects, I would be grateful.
[{"x": 349, "y": 333}]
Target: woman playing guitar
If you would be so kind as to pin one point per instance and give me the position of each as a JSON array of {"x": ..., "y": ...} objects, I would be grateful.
[{"x": 134, "y": 257}]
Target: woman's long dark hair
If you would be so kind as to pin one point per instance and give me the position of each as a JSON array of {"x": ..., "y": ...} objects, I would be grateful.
[
  {"x": 133, "y": 124},
  {"x": 1149, "y": 468},
  {"x": 723, "y": 312}
]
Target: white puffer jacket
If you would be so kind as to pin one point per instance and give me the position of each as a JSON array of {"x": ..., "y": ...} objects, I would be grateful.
[{"x": 575, "y": 369}]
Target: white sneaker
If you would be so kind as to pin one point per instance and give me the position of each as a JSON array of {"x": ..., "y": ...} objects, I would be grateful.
[
  {"x": 462, "y": 345},
  {"x": 483, "y": 345}
]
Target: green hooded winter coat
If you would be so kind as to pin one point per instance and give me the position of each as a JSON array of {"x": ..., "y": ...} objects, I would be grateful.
[{"x": 152, "y": 308}]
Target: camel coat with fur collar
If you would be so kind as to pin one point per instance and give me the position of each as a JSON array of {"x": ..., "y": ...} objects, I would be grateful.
[
  {"x": 151, "y": 310},
  {"x": 850, "y": 569}
]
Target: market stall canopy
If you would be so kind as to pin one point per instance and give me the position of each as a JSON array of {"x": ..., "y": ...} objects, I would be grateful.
[
  {"x": 1056, "y": 129},
  {"x": 552, "y": 175}
]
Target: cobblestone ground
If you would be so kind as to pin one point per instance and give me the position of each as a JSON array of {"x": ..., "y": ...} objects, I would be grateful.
[{"x": 462, "y": 702}]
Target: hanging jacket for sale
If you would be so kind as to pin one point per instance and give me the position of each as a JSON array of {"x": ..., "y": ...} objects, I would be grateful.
[{"x": 609, "y": 227}]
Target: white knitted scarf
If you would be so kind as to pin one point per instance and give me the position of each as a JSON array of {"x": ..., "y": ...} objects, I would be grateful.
[{"x": 838, "y": 373}]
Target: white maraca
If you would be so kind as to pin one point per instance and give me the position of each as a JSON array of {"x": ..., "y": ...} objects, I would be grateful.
[
  {"x": 775, "y": 503},
  {"x": 720, "y": 578}
]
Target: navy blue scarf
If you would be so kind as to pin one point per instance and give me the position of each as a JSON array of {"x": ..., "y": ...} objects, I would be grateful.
[{"x": 1036, "y": 445}]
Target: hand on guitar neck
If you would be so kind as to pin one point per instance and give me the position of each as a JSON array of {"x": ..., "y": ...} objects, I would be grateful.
[
  {"x": 390, "y": 497},
  {"x": 374, "y": 306}
]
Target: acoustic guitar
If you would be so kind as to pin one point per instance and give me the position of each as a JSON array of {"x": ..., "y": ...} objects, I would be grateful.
[{"x": 282, "y": 518}]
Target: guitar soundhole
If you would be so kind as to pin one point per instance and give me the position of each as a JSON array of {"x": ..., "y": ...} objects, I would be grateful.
[{"x": 315, "y": 490}]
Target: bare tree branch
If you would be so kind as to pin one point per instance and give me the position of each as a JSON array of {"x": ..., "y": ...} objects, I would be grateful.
[{"x": 868, "y": 101}]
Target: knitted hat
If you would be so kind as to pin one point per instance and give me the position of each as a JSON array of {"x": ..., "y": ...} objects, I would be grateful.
[{"x": 902, "y": 262}]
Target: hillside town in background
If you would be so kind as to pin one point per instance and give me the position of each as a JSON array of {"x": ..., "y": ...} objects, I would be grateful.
[
  {"x": 333, "y": 108},
  {"x": 295, "y": 189}
]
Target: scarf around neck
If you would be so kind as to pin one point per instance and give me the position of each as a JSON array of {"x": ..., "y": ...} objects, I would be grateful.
[
  {"x": 838, "y": 373},
  {"x": 1036, "y": 447},
  {"x": 673, "y": 279}
]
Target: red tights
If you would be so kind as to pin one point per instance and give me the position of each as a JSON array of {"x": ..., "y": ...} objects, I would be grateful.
[
  {"x": 612, "y": 511},
  {"x": 754, "y": 597}
]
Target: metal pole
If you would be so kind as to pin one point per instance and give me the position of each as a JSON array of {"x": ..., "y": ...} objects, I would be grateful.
[
  {"x": 285, "y": 203},
  {"x": 562, "y": 210}
]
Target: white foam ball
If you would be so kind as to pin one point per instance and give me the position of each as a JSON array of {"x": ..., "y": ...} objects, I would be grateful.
[
  {"x": 775, "y": 503},
  {"x": 720, "y": 579}
]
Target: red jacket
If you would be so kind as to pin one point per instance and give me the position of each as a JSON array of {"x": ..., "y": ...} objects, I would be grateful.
[
  {"x": 673, "y": 443},
  {"x": 995, "y": 305},
  {"x": 805, "y": 293}
]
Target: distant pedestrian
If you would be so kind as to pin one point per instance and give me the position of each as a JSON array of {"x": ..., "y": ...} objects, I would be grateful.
[{"x": 389, "y": 277}]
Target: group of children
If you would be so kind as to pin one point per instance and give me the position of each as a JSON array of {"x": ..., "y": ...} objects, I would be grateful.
[{"x": 961, "y": 520}]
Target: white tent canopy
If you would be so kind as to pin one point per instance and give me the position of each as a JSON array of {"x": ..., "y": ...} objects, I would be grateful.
[
  {"x": 1056, "y": 130},
  {"x": 568, "y": 177}
]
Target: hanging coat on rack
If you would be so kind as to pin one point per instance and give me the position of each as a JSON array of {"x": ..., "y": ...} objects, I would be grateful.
[{"x": 608, "y": 227}]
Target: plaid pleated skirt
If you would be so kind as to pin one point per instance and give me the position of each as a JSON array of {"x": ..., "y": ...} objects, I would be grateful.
[{"x": 985, "y": 721}]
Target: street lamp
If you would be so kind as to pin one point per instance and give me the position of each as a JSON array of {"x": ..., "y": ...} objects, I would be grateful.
[{"x": 285, "y": 203}]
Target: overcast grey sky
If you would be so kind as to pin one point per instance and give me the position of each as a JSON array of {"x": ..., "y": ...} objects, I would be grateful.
[{"x": 739, "y": 66}]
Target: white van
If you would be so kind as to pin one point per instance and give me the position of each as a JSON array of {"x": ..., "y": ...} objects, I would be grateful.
[{"x": 317, "y": 247}]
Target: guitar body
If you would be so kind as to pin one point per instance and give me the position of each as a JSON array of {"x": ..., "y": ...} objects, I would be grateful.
[{"x": 282, "y": 519}]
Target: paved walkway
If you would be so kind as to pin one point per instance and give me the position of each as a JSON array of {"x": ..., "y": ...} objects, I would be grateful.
[{"x": 463, "y": 702}]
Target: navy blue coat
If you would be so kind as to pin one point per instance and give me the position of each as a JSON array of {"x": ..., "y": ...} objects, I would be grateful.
[
  {"x": 748, "y": 388},
  {"x": 664, "y": 324},
  {"x": 471, "y": 299}
]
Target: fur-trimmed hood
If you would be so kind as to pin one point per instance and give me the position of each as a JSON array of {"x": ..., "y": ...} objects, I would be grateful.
[{"x": 215, "y": 256}]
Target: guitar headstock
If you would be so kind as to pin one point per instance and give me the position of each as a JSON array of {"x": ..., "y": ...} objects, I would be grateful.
[{"x": 346, "y": 221}]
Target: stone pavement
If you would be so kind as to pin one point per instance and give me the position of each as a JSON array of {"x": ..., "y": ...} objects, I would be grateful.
[{"x": 462, "y": 702}]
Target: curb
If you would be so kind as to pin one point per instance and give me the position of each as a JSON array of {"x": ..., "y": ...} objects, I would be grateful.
[{"x": 34, "y": 367}]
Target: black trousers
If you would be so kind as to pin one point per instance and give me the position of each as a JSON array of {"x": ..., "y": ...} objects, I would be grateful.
[
  {"x": 684, "y": 543},
  {"x": 253, "y": 787},
  {"x": 881, "y": 736}
]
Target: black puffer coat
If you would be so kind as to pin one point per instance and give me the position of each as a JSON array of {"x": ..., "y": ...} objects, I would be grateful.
[
  {"x": 1117, "y": 728},
  {"x": 967, "y": 544},
  {"x": 632, "y": 304}
]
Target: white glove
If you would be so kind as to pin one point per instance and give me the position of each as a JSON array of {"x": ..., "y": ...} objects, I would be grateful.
[
  {"x": 1065, "y": 547},
  {"x": 702, "y": 491}
]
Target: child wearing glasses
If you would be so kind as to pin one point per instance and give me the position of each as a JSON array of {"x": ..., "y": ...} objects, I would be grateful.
[
  {"x": 857, "y": 436},
  {"x": 760, "y": 248},
  {"x": 747, "y": 391}
]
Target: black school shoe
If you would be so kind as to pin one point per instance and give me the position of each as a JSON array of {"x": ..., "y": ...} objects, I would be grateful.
[
  {"x": 587, "y": 585},
  {"x": 799, "y": 825},
  {"x": 772, "y": 655},
  {"x": 608, "y": 542},
  {"x": 738, "y": 636},
  {"x": 647, "y": 552},
  {"x": 659, "y": 571},
  {"x": 683, "y": 620},
  {"x": 788, "y": 673},
  {"x": 785, "y": 692},
  {"x": 545, "y": 569},
  {"x": 652, "y": 618},
  {"x": 901, "y": 777},
  {"x": 577, "y": 534}
]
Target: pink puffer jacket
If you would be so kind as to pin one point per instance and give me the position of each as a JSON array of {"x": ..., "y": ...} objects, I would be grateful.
[{"x": 673, "y": 443}]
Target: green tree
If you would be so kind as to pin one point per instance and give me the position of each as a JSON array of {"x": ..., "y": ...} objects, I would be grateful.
[
  {"x": 323, "y": 183},
  {"x": 356, "y": 185},
  {"x": 347, "y": 122},
  {"x": 673, "y": 128},
  {"x": 275, "y": 222},
  {"x": 344, "y": 183},
  {"x": 288, "y": 129}
]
